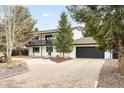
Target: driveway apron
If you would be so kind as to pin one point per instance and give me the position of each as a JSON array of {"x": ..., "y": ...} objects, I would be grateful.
[{"x": 44, "y": 73}]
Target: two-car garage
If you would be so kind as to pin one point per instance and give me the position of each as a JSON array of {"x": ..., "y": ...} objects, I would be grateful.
[
  {"x": 86, "y": 47},
  {"x": 89, "y": 52}
]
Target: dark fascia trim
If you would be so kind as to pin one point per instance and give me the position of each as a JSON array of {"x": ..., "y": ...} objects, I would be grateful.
[
  {"x": 87, "y": 44},
  {"x": 46, "y": 32},
  {"x": 39, "y": 45},
  {"x": 73, "y": 44}
]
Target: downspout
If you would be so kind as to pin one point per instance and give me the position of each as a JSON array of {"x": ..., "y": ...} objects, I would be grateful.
[{"x": 33, "y": 51}]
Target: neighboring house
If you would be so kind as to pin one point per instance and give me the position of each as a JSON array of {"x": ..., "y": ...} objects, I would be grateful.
[{"x": 84, "y": 47}]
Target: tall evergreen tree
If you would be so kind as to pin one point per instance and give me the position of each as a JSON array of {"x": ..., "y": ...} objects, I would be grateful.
[
  {"x": 105, "y": 24},
  {"x": 64, "y": 39}
]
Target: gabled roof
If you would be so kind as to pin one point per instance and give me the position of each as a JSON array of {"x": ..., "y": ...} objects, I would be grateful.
[{"x": 85, "y": 40}]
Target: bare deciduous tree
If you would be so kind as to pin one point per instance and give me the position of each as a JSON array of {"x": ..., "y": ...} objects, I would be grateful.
[{"x": 16, "y": 27}]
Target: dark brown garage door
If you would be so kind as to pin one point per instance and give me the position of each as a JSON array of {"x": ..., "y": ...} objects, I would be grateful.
[{"x": 89, "y": 52}]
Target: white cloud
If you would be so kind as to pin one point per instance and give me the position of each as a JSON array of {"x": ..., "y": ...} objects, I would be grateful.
[{"x": 45, "y": 14}]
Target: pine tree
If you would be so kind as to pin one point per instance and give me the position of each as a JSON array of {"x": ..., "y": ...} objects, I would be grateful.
[
  {"x": 64, "y": 39},
  {"x": 105, "y": 24}
]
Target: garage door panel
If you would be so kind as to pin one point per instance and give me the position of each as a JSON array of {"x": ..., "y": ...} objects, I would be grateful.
[{"x": 89, "y": 52}]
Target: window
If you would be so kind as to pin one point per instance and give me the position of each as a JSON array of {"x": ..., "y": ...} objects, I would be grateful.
[
  {"x": 48, "y": 37},
  {"x": 35, "y": 49},
  {"x": 49, "y": 49},
  {"x": 36, "y": 38}
]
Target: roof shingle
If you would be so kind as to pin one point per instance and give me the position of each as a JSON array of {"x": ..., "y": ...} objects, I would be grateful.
[{"x": 85, "y": 40}]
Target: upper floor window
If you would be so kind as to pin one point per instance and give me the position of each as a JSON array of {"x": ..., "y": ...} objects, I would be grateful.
[
  {"x": 36, "y": 38},
  {"x": 48, "y": 37}
]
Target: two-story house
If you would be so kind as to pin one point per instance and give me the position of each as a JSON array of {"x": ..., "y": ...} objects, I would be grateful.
[{"x": 84, "y": 47}]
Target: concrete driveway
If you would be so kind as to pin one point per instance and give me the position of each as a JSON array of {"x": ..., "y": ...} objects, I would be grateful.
[{"x": 46, "y": 73}]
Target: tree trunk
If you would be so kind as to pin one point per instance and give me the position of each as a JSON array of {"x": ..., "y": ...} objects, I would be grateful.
[
  {"x": 121, "y": 57},
  {"x": 9, "y": 56},
  {"x": 9, "y": 42},
  {"x": 9, "y": 53}
]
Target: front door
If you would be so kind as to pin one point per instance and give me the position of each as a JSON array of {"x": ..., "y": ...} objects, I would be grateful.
[{"x": 49, "y": 50}]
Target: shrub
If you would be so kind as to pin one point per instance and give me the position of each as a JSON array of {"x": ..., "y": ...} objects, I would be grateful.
[{"x": 3, "y": 59}]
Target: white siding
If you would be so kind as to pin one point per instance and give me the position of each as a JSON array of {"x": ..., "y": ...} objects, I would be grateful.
[
  {"x": 76, "y": 35},
  {"x": 73, "y": 53},
  {"x": 35, "y": 54},
  {"x": 30, "y": 53},
  {"x": 44, "y": 51},
  {"x": 54, "y": 53},
  {"x": 108, "y": 55}
]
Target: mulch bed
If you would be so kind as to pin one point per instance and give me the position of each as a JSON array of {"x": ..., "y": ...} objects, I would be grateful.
[
  {"x": 110, "y": 76},
  {"x": 58, "y": 59}
]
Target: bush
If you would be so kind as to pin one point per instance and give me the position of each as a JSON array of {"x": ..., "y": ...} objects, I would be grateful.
[{"x": 3, "y": 59}]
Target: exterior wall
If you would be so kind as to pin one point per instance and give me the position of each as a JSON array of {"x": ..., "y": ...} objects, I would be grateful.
[
  {"x": 35, "y": 54},
  {"x": 73, "y": 53},
  {"x": 42, "y": 37},
  {"x": 30, "y": 53},
  {"x": 54, "y": 53},
  {"x": 44, "y": 53},
  {"x": 108, "y": 55},
  {"x": 76, "y": 35}
]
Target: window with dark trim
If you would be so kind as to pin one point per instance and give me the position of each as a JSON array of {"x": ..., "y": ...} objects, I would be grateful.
[
  {"x": 35, "y": 49},
  {"x": 36, "y": 38},
  {"x": 48, "y": 37}
]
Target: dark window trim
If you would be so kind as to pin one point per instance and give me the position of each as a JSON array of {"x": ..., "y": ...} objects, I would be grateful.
[{"x": 36, "y": 49}]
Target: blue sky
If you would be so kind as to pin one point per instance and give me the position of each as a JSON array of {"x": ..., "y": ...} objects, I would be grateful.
[{"x": 48, "y": 15}]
